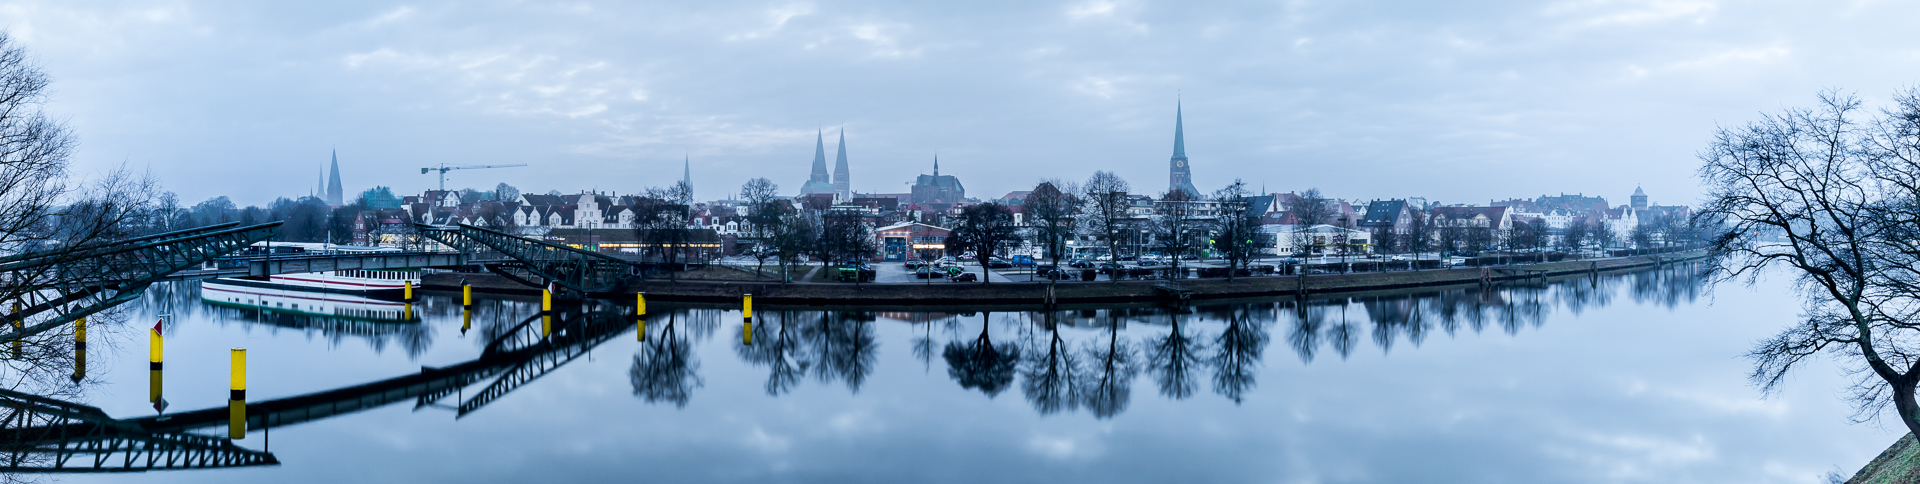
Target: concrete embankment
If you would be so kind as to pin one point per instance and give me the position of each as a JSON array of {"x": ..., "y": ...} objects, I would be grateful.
[{"x": 1025, "y": 293}]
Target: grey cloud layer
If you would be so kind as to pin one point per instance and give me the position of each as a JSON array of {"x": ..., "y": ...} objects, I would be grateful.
[{"x": 1453, "y": 101}]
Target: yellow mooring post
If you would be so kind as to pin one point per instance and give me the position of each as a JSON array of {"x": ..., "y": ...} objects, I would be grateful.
[
  {"x": 746, "y": 309},
  {"x": 237, "y": 399},
  {"x": 406, "y": 312},
  {"x": 546, "y": 299},
  {"x": 466, "y": 294},
  {"x": 546, "y": 325},
  {"x": 17, "y": 325},
  {"x": 640, "y": 304},
  {"x": 408, "y": 287},
  {"x": 79, "y": 349},
  {"x": 153, "y": 364},
  {"x": 642, "y": 327},
  {"x": 466, "y": 321}
]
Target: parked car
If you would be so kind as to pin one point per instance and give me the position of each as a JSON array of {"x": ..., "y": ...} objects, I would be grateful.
[
  {"x": 925, "y": 272},
  {"x": 1145, "y": 262},
  {"x": 1373, "y": 256},
  {"x": 1109, "y": 267},
  {"x": 998, "y": 263},
  {"x": 856, "y": 273},
  {"x": 1080, "y": 264},
  {"x": 1050, "y": 272},
  {"x": 1023, "y": 261},
  {"x": 915, "y": 264},
  {"x": 964, "y": 277},
  {"x": 1454, "y": 261},
  {"x": 1290, "y": 260},
  {"x": 1399, "y": 258}
]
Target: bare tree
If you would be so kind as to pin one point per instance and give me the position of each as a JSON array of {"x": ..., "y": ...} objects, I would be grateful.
[
  {"x": 1052, "y": 206},
  {"x": 1831, "y": 199},
  {"x": 984, "y": 229},
  {"x": 765, "y": 212},
  {"x": 1238, "y": 236},
  {"x": 1603, "y": 235},
  {"x": 1310, "y": 208},
  {"x": 1419, "y": 237},
  {"x": 1574, "y": 236},
  {"x": 506, "y": 193},
  {"x": 1176, "y": 228},
  {"x": 1105, "y": 214}
]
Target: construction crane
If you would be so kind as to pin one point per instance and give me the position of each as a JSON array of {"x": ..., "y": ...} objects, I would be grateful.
[{"x": 444, "y": 168}]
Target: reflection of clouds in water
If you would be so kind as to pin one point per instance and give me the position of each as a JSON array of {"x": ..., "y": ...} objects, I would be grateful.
[
  {"x": 1633, "y": 457},
  {"x": 1063, "y": 448},
  {"x": 760, "y": 440}
]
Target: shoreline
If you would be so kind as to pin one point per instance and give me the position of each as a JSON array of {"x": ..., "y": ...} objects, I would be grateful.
[{"x": 1075, "y": 292}]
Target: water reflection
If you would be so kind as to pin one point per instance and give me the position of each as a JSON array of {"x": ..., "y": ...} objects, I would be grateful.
[{"x": 1059, "y": 362}]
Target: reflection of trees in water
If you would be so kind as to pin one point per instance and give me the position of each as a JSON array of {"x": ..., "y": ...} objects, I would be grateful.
[
  {"x": 1395, "y": 316},
  {"x": 979, "y": 364},
  {"x": 842, "y": 346},
  {"x": 776, "y": 347},
  {"x": 1111, "y": 368},
  {"x": 1171, "y": 360},
  {"x": 665, "y": 368},
  {"x": 1237, "y": 352},
  {"x": 1049, "y": 375},
  {"x": 832, "y": 345},
  {"x": 1318, "y": 324},
  {"x": 1668, "y": 287}
]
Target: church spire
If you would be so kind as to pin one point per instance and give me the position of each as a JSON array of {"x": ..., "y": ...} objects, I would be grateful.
[
  {"x": 841, "y": 183},
  {"x": 1180, "y": 173},
  {"x": 335, "y": 195},
  {"x": 936, "y": 164},
  {"x": 818, "y": 182},
  {"x": 1179, "y": 133},
  {"x": 686, "y": 175}
]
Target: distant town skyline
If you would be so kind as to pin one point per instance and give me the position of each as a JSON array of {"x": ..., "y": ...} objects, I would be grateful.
[{"x": 1454, "y": 103}]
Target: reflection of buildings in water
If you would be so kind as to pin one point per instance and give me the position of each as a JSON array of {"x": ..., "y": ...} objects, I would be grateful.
[{"x": 915, "y": 318}]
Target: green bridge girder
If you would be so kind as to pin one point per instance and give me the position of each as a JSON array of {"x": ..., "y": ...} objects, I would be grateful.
[
  {"x": 59, "y": 286},
  {"x": 584, "y": 271}
]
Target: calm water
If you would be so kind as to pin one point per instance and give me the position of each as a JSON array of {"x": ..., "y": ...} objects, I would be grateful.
[{"x": 1628, "y": 378}]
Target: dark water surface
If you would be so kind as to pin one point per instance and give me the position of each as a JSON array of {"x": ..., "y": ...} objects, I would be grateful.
[{"x": 1627, "y": 378}]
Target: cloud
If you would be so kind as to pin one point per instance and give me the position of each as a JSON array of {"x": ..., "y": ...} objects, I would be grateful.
[{"x": 777, "y": 17}]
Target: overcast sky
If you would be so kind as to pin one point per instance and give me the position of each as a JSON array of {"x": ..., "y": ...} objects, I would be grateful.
[{"x": 1454, "y": 101}]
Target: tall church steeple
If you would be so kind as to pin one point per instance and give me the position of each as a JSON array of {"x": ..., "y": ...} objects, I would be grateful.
[
  {"x": 335, "y": 195},
  {"x": 686, "y": 175},
  {"x": 841, "y": 184},
  {"x": 1180, "y": 173},
  {"x": 818, "y": 181}
]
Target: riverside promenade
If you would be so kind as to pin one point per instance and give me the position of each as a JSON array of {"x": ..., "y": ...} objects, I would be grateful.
[{"x": 1077, "y": 292}]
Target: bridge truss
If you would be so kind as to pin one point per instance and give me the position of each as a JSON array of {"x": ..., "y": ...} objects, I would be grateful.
[
  {"x": 43, "y": 435},
  {"x": 580, "y": 270},
  {"x": 59, "y": 286}
]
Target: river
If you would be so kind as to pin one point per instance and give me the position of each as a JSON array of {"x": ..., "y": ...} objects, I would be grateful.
[{"x": 1622, "y": 378}]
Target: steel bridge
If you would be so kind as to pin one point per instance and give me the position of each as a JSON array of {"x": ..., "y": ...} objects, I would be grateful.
[
  {"x": 570, "y": 337},
  {"x": 59, "y": 286},
  {"x": 43, "y": 435},
  {"x": 583, "y": 271}
]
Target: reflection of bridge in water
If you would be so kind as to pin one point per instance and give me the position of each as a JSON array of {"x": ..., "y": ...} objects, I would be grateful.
[{"x": 47, "y": 435}]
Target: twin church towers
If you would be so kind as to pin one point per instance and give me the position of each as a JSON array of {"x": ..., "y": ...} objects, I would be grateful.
[{"x": 1180, "y": 172}]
